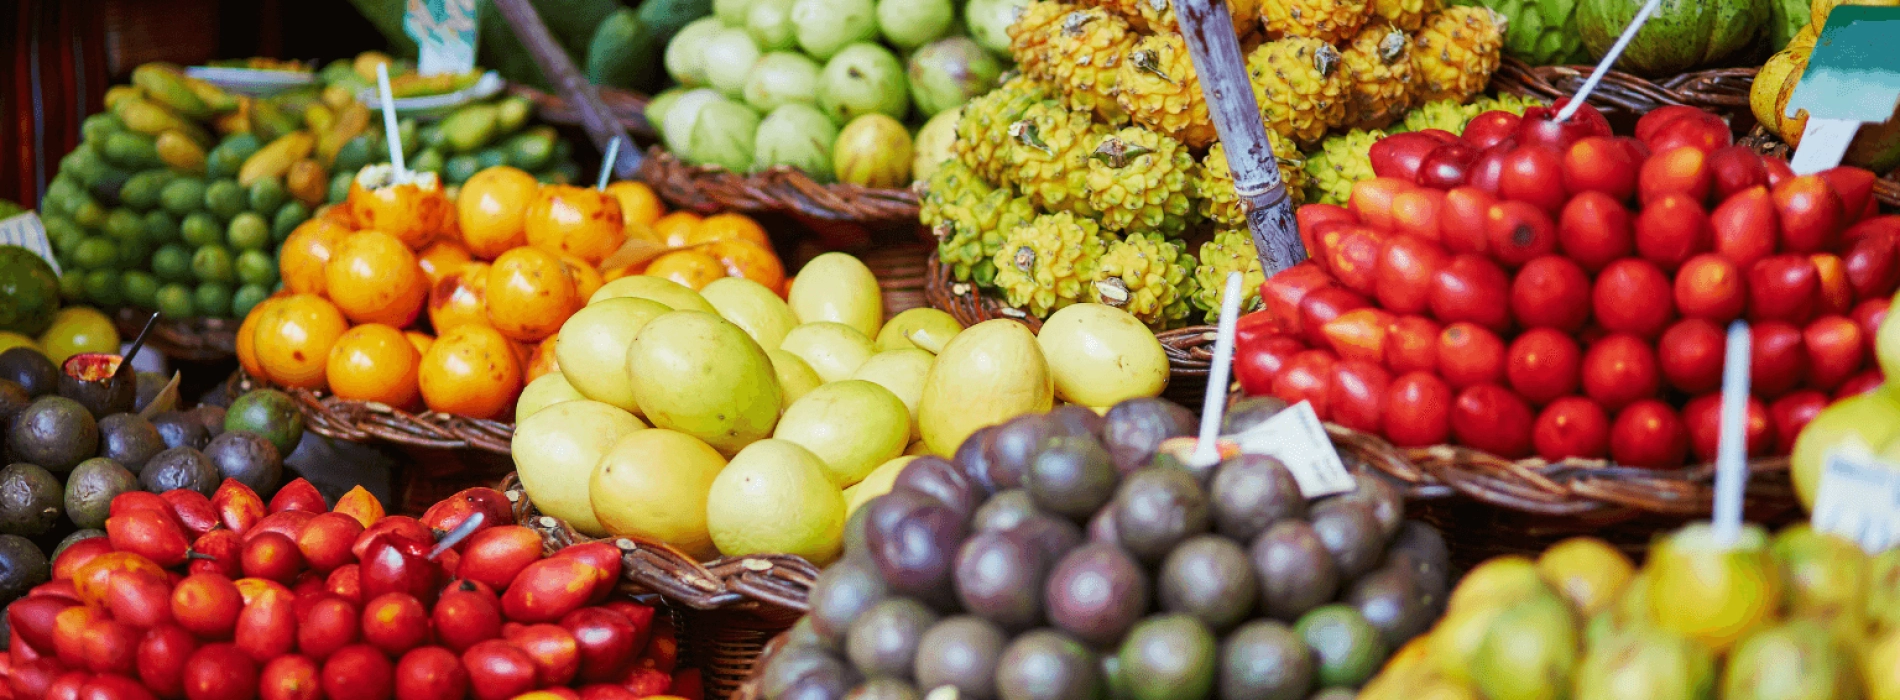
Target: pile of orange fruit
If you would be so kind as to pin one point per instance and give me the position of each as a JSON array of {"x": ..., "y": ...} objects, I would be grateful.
[{"x": 409, "y": 297}]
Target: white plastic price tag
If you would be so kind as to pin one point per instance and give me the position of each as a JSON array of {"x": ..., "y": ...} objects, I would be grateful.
[
  {"x": 26, "y": 231},
  {"x": 444, "y": 31},
  {"x": 1296, "y": 437},
  {"x": 1859, "y": 498}
]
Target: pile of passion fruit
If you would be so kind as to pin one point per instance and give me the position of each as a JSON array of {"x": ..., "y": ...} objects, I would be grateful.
[{"x": 1073, "y": 556}]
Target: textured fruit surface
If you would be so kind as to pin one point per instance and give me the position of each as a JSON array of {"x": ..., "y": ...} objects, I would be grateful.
[
  {"x": 1456, "y": 51},
  {"x": 1342, "y": 161},
  {"x": 1379, "y": 59},
  {"x": 1326, "y": 20},
  {"x": 1047, "y": 263},
  {"x": 1300, "y": 86},
  {"x": 983, "y": 132},
  {"x": 1085, "y": 56},
  {"x": 1138, "y": 180},
  {"x": 1159, "y": 90},
  {"x": 1050, "y": 156},
  {"x": 1147, "y": 276},
  {"x": 1221, "y": 204},
  {"x": 1230, "y": 251}
]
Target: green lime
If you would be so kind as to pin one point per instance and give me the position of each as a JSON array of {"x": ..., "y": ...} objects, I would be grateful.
[
  {"x": 339, "y": 188},
  {"x": 429, "y": 160},
  {"x": 59, "y": 228},
  {"x": 246, "y": 297},
  {"x": 211, "y": 300},
  {"x": 62, "y": 186},
  {"x": 142, "y": 190},
  {"x": 72, "y": 286},
  {"x": 490, "y": 157},
  {"x": 174, "y": 301},
  {"x": 160, "y": 226},
  {"x": 133, "y": 254},
  {"x": 201, "y": 229},
  {"x": 256, "y": 267},
  {"x": 172, "y": 263},
  {"x": 90, "y": 214},
  {"x": 248, "y": 231},
  {"x": 267, "y": 195},
  {"x": 140, "y": 288},
  {"x": 97, "y": 127},
  {"x": 124, "y": 224},
  {"x": 96, "y": 253},
  {"x": 225, "y": 198},
  {"x": 183, "y": 196},
  {"x": 459, "y": 169},
  {"x": 212, "y": 263},
  {"x": 102, "y": 288},
  {"x": 288, "y": 218}
]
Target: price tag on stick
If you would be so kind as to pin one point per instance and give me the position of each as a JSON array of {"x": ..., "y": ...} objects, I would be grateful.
[
  {"x": 1859, "y": 499},
  {"x": 1853, "y": 78},
  {"x": 444, "y": 31},
  {"x": 26, "y": 231}
]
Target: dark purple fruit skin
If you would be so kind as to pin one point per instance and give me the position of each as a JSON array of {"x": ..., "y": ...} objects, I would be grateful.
[
  {"x": 1046, "y": 658},
  {"x": 1252, "y": 492},
  {"x": 974, "y": 456},
  {"x": 1156, "y": 509},
  {"x": 1073, "y": 421},
  {"x": 1013, "y": 445},
  {"x": 1096, "y": 593},
  {"x": 793, "y": 663},
  {"x": 1186, "y": 581},
  {"x": 180, "y": 430},
  {"x": 1294, "y": 571},
  {"x": 1249, "y": 412},
  {"x": 1133, "y": 430},
  {"x": 917, "y": 554},
  {"x": 30, "y": 369},
  {"x": 1381, "y": 498},
  {"x": 1071, "y": 477},
  {"x": 1351, "y": 534},
  {"x": 822, "y": 683},
  {"x": 1102, "y": 527},
  {"x": 103, "y": 397},
  {"x": 1054, "y": 536},
  {"x": 1389, "y": 599},
  {"x": 999, "y": 578},
  {"x": 1422, "y": 548},
  {"x": 129, "y": 440},
  {"x": 962, "y": 652},
  {"x": 938, "y": 478},
  {"x": 1004, "y": 511},
  {"x": 842, "y": 592}
]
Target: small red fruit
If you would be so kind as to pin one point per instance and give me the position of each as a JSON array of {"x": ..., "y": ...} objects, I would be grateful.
[
  {"x": 1518, "y": 232},
  {"x": 1321, "y": 306},
  {"x": 1461, "y": 220},
  {"x": 1703, "y": 418},
  {"x": 1418, "y": 409},
  {"x": 1551, "y": 292},
  {"x": 1416, "y": 214},
  {"x": 272, "y": 556},
  {"x": 1446, "y": 166},
  {"x": 1648, "y": 433},
  {"x": 1683, "y": 170},
  {"x": 1533, "y": 175},
  {"x": 298, "y": 494},
  {"x": 1834, "y": 294},
  {"x": 464, "y": 618},
  {"x": 1619, "y": 369},
  {"x": 359, "y": 672},
  {"x": 1372, "y": 199},
  {"x": 395, "y": 623},
  {"x": 161, "y": 659},
  {"x": 327, "y": 625},
  {"x": 430, "y": 673},
  {"x": 1491, "y": 418},
  {"x": 1491, "y": 128},
  {"x": 1487, "y": 172},
  {"x": 1398, "y": 156},
  {"x": 1541, "y": 126},
  {"x": 1600, "y": 164},
  {"x": 192, "y": 510},
  {"x": 1855, "y": 187},
  {"x": 1595, "y": 230},
  {"x": 1403, "y": 282},
  {"x": 1632, "y": 295},
  {"x": 498, "y": 670},
  {"x": 1872, "y": 265},
  {"x": 1860, "y": 384},
  {"x": 1354, "y": 258},
  {"x": 292, "y": 677},
  {"x": 1411, "y": 344},
  {"x": 1543, "y": 365},
  {"x": 1358, "y": 399},
  {"x": 604, "y": 640},
  {"x": 1811, "y": 214},
  {"x": 1469, "y": 354},
  {"x": 555, "y": 653},
  {"x": 1472, "y": 288},
  {"x": 221, "y": 672},
  {"x": 151, "y": 534},
  {"x": 1777, "y": 359},
  {"x": 1677, "y": 126},
  {"x": 1255, "y": 366},
  {"x": 1868, "y": 315},
  {"x": 1783, "y": 288},
  {"x": 1283, "y": 293},
  {"x": 1358, "y": 334},
  {"x": 1690, "y": 355},
  {"x": 326, "y": 541},
  {"x": 207, "y": 605},
  {"x": 1736, "y": 168},
  {"x": 1835, "y": 350},
  {"x": 1745, "y": 227},
  {"x": 111, "y": 646},
  {"x": 1791, "y": 413},
  {"x": 1711, "y": 286},
  {"x": 1671, "y": 229},
  {"x": 1572, "y": 426}
]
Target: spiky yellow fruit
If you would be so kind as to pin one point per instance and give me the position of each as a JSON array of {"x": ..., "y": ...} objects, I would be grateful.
[
  {"x": 1159, "y": 90},
  {"x": 1139, "y": 180},
  {"x": 1456, "y": 51},
  {"x": 1405, "y": 14},
  {"x": 1158, "y": 15},
  {"x": 1148, "y": 276},
  {"x": 1215, "y": 183},
  {"x": 1047, "y": 264},
  {"x": 1341, "y": 162},
  {"x": 1379, "y": 60},
  {"x": 1036, "y": 24},
  {"x": 1300, "y": 86},
  {"x": 1231, "y": 250},
  {"x": 983, "y": 140},
  {"x": 1084, "y": 60},
  {"x": 1049, "y": 156},
  {"x": 1331, "y": 21}
]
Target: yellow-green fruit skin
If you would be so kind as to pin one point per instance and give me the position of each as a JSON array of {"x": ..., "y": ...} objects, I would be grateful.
[
  {"x": 653, "y": 484},
  {"x": 751, "y": 307},
  {"x": 774, "y": 497},
  {"x": 695, "y": 373},
  {"x": 593, "y": 346},
  {"x": 852, "y": 426},
  {"x": 991, "y": 372},
  {"x": 545, "y": 391},
  {"x": 555, "y": 451},
  {"x": 1867, "y": 422},
  {"x": 839, "y": 288},
  {"x": 1100, "y": 355}
]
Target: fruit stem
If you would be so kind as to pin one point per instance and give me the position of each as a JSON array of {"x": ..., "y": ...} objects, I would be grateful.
[{"x": 1609, "y": 59}]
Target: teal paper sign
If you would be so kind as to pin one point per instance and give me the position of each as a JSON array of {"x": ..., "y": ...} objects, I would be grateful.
[
  {"x": 1854, "y": 73},
  {"x": 444, "y": 31}
]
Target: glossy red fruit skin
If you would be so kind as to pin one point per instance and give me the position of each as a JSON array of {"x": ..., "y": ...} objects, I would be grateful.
[
  {"x": 1811, "y": 214},
  {"x": 1399, "y": 155},
  {"x": 465, "y": 618},
  {"x": 1868, "y": 315},
  {"x": 1418, "y": 214},
  {"x": 1551, "y": 292},
  {"x": 1648, "y": 433},
  {"x": 1354, "y": 259},
  {"x": 606, "y": 641},
  {"x": 1619, "y": 369},
  {"x": 1777, "y": 359},
  {"x": 1595, "y": 230},
  {"x": 1690, "y": 355},
  {"x": 1322, "y": 306},
  {"x": 1543, "y": 365},
  {"x": 1358, "y": 399},
  {"x": 1632, "y": 295},
  {"x": 1791, "y": 413},
  {"x": 1372, "y": 199},
  {"x": 1745, "y": 227},
  {"x": 161, "y": 660},
  {"x": 1447, "y": 166},
  {"x": 1411, "y": 344},
  {"x": 1358, "y": 334},
  {"x": 221, "y": 672},
  {"x": 1534, "y": 175},
  {"x": 1872, "y": 264},
  {"x": 1256, "y": 365},
  {"x": 327, "y": 625},
  {"x": 498, "y": 670},
  {"x": 1406, "y": 268},
  {"x": 1461, "y": 220},
  {"x": 1490, "y": 128},
  {"x": 1860, "y": 384},
  {"x": 1600, "y": 164},
  {"x": 395, "y": 623},
  {"x": 1835, "y": 294},
  {"x": 430, "y": 673},
  {"x": 1308, "y": 377},
  {"x": 1283, "y": 293},
  {"x": 1540, "y": 126},
  {"x": 1836, "y": 351},
  {"x": 1418, "y": 410},
  {"x": 1683, "y": 170},
  {"x": 1519, "y": 232},
  {"x": 1702, "y": 416},
  {"x": 1736, "y": 168},
  {"x": 1672, "y": 127},
  {"x": 1710, "y": 286},
  {"x": 1571, "y": 426},
  {"x": 1487, "y": 172},
  {"x": 1783, "y": 288},
  {"x": 359, "y": 672},
  {"x": 1671, "y": 229},
  {"x": 114, "y": 687},
  {"x": 1855, "y": 187},
  {"x": 1469, "y": 354},
  {"x": 1650, "y": 125},
  {"x": 1491, "y": 418},
  {"x": 1472, "y": 288}
]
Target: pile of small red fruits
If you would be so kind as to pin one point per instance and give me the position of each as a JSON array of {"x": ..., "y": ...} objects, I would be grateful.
[
  {"x": 228, "y": 598},
  {"x": 1545, "y": 287}
]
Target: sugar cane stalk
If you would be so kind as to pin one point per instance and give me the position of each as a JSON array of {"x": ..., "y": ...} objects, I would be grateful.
[{"x": 559, "y": 69}]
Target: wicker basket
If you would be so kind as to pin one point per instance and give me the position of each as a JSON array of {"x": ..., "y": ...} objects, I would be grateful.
[
  {"x": 726, "y": 609},
  {"x": 190, "y": 340}
]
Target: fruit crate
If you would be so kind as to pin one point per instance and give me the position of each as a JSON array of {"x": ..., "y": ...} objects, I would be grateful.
[{"x": 726, "y": 610}]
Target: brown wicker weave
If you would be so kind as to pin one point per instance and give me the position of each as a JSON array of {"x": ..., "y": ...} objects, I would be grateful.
[
  {"x": 190, "y": 340},
  {"x": 727, "y": 608}
]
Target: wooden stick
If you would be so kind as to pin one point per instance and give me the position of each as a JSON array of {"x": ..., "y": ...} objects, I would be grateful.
[
  {"x": 1215, "y": 48},
  {"x": 559, "y": 69}
]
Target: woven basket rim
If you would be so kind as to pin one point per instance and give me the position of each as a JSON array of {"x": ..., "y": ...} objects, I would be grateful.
[{"x": 187, "y": 339}]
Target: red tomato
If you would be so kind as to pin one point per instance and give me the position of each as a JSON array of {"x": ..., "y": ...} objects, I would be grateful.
[
  {"x": 1648, "y": 433},
  {"x": 1553, "y": 292},
  {"x": 1469, "y": 355},
  {"x": 1543, "y": 364},
  {"x": 1572, "y": 426},
  {"x": 1417, "y": 410},
  {"x": 1619, "y": 369}
]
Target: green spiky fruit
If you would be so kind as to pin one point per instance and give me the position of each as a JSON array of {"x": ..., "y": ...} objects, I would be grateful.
[
  {"x": 1215, "y": 183},
  {"x": 1048, "y": 263},
  {"x": 1139, "y": 180},
  {"x": 1147, "y": 276},
  {"x": 1515, "y": 104},
  {"x": 1340, "y": 162},
  {"x": 1049, "y": 153},
  {"x": 971, "y": 233},
  {"x": 983, "y": 140},
  {"x": 953, "y": 183},
  {"x": 1230, "y": 251},
  {"x": 1449, "y": 115}
]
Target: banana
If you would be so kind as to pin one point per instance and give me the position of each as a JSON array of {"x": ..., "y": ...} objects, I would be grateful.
[
  {"x": 319, "y": 117},
  {"x": 276, "y": 157},
  {"x": 351, "y": 121},
  {"x": 214, "y": 96},
  {"x": 307, "y": 181},
  {"x": 180, "y": 152},
  {"x": 152, "y": 119},
  {"x": 119, "y": 93},
  {"x": 165, "y": 84}
]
